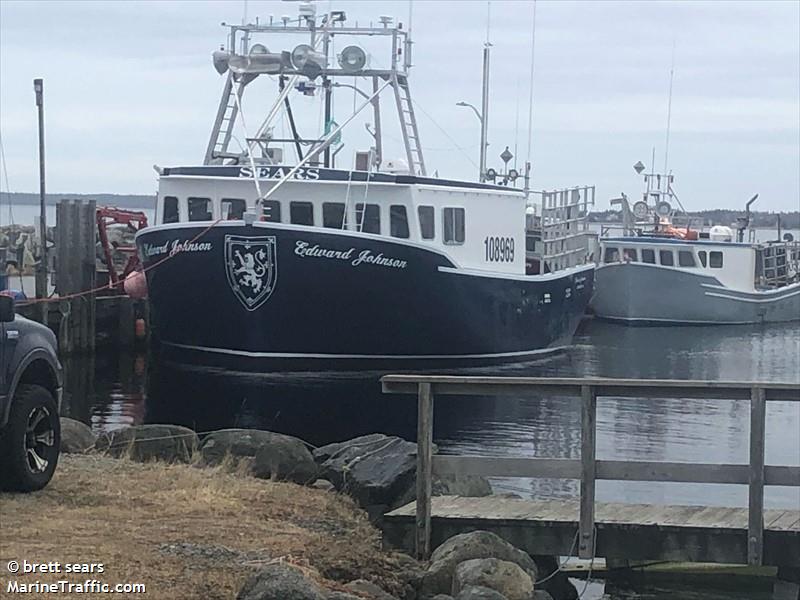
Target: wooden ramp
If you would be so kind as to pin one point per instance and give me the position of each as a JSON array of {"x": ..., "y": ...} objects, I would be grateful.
[{"x": 626, "y": 531}]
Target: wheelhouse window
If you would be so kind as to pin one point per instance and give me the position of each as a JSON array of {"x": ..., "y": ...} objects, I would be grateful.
[
  {"x": 170, "y": 214},
  {"x": 369, "y": 219},
  {"x": 271, "y": 211},
  {"x": 199, "y": 209},
  {"x": 454, "y": 226},
  {"x": 715, "y": 260},
  {"x": 630, "y": 255},
  {"x": 233, "y": 208},
  {"x": 648, "y": 256},
  {"x": 333, "y": 215},
  {"x": 398, "y": 221},
  {"x": 611, "y": 254},
  {"x": 427, "y": 222},
  {"x": 686, "y": 258},
  {"x": 301, "y": 213},
  {"x": 666, "y": 258},
  {"x": 701, "y": 254}
]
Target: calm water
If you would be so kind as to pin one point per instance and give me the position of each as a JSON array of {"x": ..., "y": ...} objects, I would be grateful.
[{"x": 112, "y": 391}]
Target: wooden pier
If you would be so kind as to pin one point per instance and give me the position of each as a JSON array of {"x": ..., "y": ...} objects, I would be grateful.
[{"x": 751, "y": 535}]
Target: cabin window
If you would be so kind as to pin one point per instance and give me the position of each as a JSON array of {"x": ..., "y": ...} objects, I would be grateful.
[
  {"x": 333, "y": 215},
  {"x": 301, "y": 213},
  {"x": 648, "y": 256},
  {"x": 666, "y": 258},
  {"x": 454, "y": 226},
  {"x": 686, "y": 258},
  {"x": 199, "y": 209},
  {"x": 398, "y": 221},
  {"x": 369, "y": 220},
  {"x": 630, "y": 255},
  {"x": 170, "y": 210},
  {"x": 611, "y": 254},
  {"x": 715, "y": 260},
  {"x": 427, "y": 222},
  {"x": 702, "y": 256},
  {"x": 233, "y": 208},
  {"x": 271, "y": 211}
]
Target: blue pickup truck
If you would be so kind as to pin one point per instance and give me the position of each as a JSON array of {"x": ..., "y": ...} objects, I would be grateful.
[{"x": 30, "y": 399}]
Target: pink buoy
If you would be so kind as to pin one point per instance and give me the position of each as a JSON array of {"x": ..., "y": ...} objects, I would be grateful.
[{"x": 135, "y": 285}]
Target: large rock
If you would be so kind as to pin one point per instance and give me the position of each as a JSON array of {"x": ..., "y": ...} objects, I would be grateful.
[
  {"x": 478, "y": 592},
  {"x": 507, "y": 578},
  {"x": 269, "y": 455},
  {"x": 280, "y": 582},
  {"x": 368, "y": 589},
  {"x": 541, "y": 595},
  {"x": 374, "y": 469},
  {"x": 170, "y": 443},
  {"x": 467, "y": 546},
  {"x": 76, "y": 437},
  {"x": 380, "y": 470}
]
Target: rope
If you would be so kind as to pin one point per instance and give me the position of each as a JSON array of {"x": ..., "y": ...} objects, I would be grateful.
[{"x": 561, "y": 565}]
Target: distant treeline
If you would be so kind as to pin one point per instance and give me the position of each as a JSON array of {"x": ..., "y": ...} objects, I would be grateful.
[
  {"x": 119, "y": 200},
  {"x": 721, "y": 216}
]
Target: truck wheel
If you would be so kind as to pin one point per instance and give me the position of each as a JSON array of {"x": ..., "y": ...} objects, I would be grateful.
[{"x": 30, "y": 441}]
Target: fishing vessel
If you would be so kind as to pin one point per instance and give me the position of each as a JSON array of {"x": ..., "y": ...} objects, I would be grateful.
[
  {"x": 663, "y": 272},
  {"x": 272, "y": 252}
]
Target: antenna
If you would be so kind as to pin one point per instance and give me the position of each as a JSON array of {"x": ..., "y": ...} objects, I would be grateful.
[
  {"x": 530, "y": 95},
  {"x": 669, "y": 108}
]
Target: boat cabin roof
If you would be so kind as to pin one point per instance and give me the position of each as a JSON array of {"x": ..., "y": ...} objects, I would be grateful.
[
  {"x": 277, "y": 172},
  {"x": 651, "y": 240}
]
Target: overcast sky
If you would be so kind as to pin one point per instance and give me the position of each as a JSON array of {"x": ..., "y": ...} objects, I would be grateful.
[{"x": 130, "y": 84}]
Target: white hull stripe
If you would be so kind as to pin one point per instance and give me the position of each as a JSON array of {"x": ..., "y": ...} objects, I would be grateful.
[
  {"x": 676, "y": 321},
  {"x": 250, "y": 354},
  {"x": 754, "y": 300}
]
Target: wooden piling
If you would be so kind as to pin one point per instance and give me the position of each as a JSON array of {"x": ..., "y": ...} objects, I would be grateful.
[{"x": 76, "y": 273}]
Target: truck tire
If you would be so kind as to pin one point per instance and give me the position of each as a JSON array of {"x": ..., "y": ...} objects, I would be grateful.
[{"x": 30, "y": 441}]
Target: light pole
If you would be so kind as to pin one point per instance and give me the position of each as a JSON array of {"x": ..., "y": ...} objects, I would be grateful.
[{"x": 484, "y": 144}]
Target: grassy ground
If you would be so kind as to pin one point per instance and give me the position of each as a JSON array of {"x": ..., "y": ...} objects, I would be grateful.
[{"x": 183, "y": 531}]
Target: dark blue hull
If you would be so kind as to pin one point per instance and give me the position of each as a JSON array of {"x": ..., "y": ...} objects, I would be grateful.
[{"x": 247, "y": 297}]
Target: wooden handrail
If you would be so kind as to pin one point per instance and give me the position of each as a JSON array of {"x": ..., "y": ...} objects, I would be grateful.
[{"x": 588, "y": 469}]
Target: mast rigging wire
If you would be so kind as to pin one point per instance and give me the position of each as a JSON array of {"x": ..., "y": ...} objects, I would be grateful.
[
  {"x": 669, "y": 108},
  {"x": 530, "y": 94}
]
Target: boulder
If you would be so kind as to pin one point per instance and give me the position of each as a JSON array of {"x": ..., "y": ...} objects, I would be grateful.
[
  {"x": 442, "y": 597},
  {"x": 324, "y": 485},
  {"x": 558, "y": 586},
  {"x": 507, "y": 578},
  {"x": 380, "y": 471},
  {"x": 368, "y": 589},
  {"x": 467, "y": 546},
  {"x": 76, "y": 437},
  {"x": 541, "y": 595},
  {"x": 268, "y": 455},
  {"x": 280, "y": 582},
  {"x": 170, "y": 443},
  {"x": 374, "y": 469},
  {"x": 478, "y": 592}
]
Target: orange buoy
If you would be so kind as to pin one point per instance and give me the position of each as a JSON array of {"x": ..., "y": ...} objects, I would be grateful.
[
  {"x": 135, "y": 285},
  {"x": 140, "y": 329}
]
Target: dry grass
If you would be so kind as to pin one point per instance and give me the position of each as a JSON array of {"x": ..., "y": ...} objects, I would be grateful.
[{"x": 185, "y": 532}]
